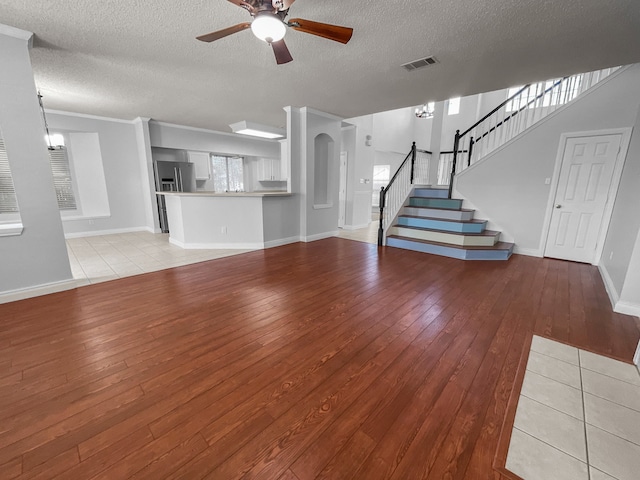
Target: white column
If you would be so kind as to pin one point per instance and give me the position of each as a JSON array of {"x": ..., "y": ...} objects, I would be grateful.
[
  {"x": 149, "y": 198},
  {"x": 38, "y": 257}
]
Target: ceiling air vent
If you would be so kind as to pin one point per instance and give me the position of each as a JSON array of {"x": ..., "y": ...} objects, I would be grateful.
[{"x": 423, "y": 62}]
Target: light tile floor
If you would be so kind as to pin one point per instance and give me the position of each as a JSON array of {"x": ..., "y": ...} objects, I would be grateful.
[
  {"x": 578, "y": 417},
  {"x": 108, "y": 257},
  {"x": 368, "y": 234}
]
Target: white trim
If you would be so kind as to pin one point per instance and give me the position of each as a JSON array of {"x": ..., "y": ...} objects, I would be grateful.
[
  {"x": 216, "y": 246},
  {"x": 530, "y": 252},
  {"x": 625, "y": 138},
  {"x": 627, "y": 308},
  {"x": 322, "y": 206},
  {"x": 11, "y": 229},
  {"x": 15, "y": 32},
  {"x": 321, "y": 114},
  {"x": 78, "y": 218},
  {"x": 318, "y": 236},
  {"x": 613, "y": 294},
  {"x": 30, "y": 292},
  {"x": 97, "y": 233},
  {"x": 89, "y": 116},
  {"x": 281, "y": 241},
  {"x": 357, "y": 227},
  {"x": 217, "y": 132},
  {"x": 636, "y": 357}
]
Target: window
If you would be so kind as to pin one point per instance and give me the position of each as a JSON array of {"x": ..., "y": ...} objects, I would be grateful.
[
  {"x": 62, "y": 179},
  {"x": 381, "y": 175},
  {"x": 556, "y": 94},
  {"x": 8, "y": 200},
  {"x": 228, "y": 174},
  {"x": 454, "y": 106}
]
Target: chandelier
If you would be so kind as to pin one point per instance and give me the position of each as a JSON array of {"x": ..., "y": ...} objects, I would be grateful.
[{"x": 426, "y": 111}]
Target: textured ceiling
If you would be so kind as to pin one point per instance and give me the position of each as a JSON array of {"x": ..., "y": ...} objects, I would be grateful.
[{"x": 130, "y": 58}]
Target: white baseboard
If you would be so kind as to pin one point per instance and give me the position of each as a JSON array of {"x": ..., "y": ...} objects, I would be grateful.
[
  {"x": 627, "y": 308},
  {"x": 529, "y": 252},
  {"x": 46, "y": 289},
  {"x": 636, "y": 357},
  {"x": 318, "y": 236},
  {"x": 356, "y": 227},
  {"x": 96, "y": 233},
  {"x": 281, "y": 241},
  {"x": 216, "y": 246},
  {"x": 613, "y": 294}
]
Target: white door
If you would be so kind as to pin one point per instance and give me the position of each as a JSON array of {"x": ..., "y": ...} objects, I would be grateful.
[
  {"x": 343, "y": 189},
  {"x": 586, "y": 174}
]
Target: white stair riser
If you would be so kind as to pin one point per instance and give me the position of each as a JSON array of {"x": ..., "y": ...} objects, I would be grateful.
[
  {"x": 436, "y": 213},
  {"x": 444, "y": 237}
]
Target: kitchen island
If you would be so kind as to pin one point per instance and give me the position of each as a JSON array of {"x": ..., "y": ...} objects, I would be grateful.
[{"x": 242, "y": 220}]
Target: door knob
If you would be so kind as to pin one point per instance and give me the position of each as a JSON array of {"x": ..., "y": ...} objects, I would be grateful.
[{"x": 558, "y": 206}]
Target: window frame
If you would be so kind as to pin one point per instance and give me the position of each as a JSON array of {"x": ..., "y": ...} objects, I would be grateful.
[{"x": 227, "y": 176}]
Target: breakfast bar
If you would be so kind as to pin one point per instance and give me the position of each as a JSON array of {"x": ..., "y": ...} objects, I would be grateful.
[{"x": 242, "y": 220}]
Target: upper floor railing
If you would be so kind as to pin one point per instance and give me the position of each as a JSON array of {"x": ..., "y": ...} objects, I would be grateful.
[{"x": 520, "y": 111}]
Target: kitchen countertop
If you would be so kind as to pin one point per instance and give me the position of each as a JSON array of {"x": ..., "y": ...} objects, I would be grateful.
[{"x": 226, "y": 194}]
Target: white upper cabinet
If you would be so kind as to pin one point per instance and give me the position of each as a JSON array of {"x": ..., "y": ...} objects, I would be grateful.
[
  {"x": 269, "y": 169},
  {"x": 202, "y": 162}
]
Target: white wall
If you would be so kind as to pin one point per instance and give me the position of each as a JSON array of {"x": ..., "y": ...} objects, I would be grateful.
[
  {"x": 122, "y": 172},
  {"x": 393, "y": 131},
  {"x": 280, "y": 220},
  {"x": 621, "y": 254},
  {"x": 38, "y": 257},
  {"x": 303, "y": 126},
  {"x": 88, "y": 174},
  {"x": 509, "y": 187}
]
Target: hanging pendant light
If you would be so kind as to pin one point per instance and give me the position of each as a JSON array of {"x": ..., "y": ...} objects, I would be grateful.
[{"x": 54, "y": 141}]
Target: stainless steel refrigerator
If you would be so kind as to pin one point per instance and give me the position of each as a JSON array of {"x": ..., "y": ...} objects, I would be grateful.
[{"x": 172, "y": 177}]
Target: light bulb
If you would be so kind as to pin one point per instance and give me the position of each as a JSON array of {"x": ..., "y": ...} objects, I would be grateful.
[{"x": 268, "y": 27}]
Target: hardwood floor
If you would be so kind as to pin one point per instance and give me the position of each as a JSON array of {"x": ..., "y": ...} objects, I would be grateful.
[{"x": 331, "y": 359}]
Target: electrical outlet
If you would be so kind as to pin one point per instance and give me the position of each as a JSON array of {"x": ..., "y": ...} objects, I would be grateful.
[
  {"x": 547, "y": 181},
  {"x": 224, "y": 230},
  {"x": 611, "y": 256}
]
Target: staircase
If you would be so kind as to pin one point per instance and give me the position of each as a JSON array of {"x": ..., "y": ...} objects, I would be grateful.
[{"x": 433, "y": 223}]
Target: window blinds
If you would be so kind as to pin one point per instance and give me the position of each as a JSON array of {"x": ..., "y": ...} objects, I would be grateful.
[
  {"x": 61, "y": 180},
  {"x": 8, "y": 200}
]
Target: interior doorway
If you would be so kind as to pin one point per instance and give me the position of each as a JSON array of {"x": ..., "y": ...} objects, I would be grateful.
[{"x": 590, "y": 166}]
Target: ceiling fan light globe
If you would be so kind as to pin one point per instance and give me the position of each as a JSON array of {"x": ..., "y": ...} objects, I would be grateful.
[{"x": 268, "y": 28}]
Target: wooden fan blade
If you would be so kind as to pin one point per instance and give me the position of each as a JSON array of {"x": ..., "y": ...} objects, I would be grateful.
[
  {"x": 243, "y": 4},
  {"x": 324, "y": 30},
  {"x": 210, "y": 37},
  {"x": 281, "y": 52}
]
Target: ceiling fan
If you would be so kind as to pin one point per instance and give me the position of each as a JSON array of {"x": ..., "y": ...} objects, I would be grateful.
[{"x": 269, "y": 25}]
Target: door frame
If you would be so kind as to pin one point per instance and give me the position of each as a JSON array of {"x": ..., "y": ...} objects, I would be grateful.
[
  {"x": 613, "y": 186},
  {"x": 344, "y": 177}
]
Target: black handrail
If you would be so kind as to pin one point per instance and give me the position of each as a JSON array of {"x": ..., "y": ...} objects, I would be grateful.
[
  {"x": 383, "y": 190},
  {"x": 472, "y": 142},
  {"x": 515, "y": 112}
]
